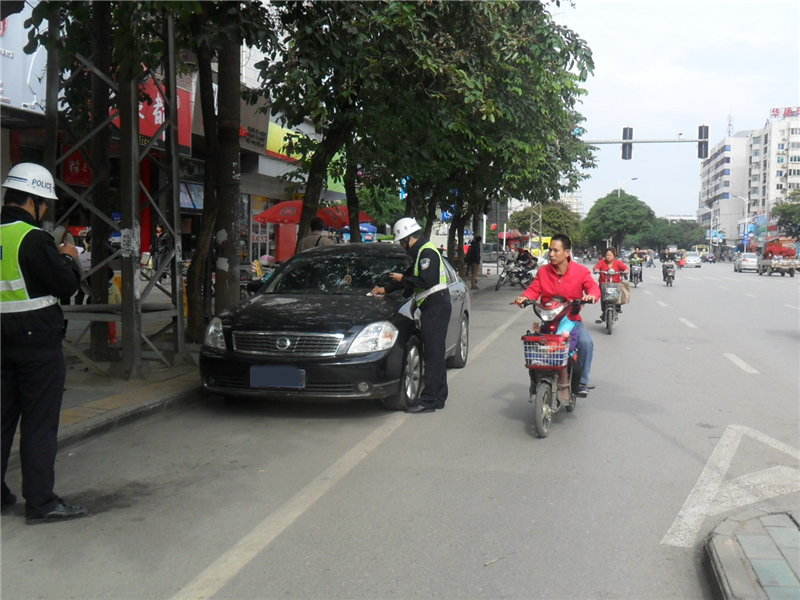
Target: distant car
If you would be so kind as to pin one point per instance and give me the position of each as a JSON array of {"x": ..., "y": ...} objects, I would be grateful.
[
  {"x": 312, "y": 332},
  {"x": 747, "y": 261},
  {"x": 693, "y": 260}
]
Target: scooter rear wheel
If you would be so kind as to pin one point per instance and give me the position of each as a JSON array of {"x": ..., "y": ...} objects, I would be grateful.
[{"x": 542, "y": 409}]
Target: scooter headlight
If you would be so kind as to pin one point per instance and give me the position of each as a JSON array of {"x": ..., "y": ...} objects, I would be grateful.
[{"x": 548, "y": 315}]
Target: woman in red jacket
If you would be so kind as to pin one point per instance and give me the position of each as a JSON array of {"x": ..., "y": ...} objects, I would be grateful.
[{"x": 609, "y": 262}]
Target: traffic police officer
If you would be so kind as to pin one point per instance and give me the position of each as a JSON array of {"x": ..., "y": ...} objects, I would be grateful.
[
  {"x": 34, "y": 275},
  {"x": 428, "y": 279}
]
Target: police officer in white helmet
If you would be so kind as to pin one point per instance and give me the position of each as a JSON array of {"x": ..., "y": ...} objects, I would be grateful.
[
  {"x": 427, "y": 278},
  {"x": 35, "y": 274}
]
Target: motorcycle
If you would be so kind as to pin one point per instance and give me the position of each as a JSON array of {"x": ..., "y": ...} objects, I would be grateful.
[
  {"x": 552, "y": 364},
  {"x": 514, "y": 274},
  {"x": 611, "y": 294},
  {"x": 636, "y": 274},
  {"x": 669, "y": 272}
]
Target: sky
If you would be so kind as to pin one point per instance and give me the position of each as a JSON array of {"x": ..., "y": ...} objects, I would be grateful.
[{"x": 664, "y": 68}]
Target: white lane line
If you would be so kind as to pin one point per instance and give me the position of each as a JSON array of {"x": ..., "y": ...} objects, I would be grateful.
[
  {"x": 790, "y": 306},
  {"x": 692, "y": 278},
  {"x": 732, "y": 279},
  {"x": 722, "y": 287},
  {"x": 712, "y": 279},
  {"x": 222, "y": 570},
  {"x": 648, "y": 293},
  {"x": 688, "y": 323},
  {"x": 664, "y": 304},
  {"x": 751, "y": 295},
  {"x": 741, "y": 364}
]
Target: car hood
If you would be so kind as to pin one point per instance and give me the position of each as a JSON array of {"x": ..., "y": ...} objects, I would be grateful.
[{"x": 313, "y": 313}]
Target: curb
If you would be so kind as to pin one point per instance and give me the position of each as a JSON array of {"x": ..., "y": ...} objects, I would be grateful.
[
  {"x": 732, "y": 570},
  {"x": 70, "y": 435}
]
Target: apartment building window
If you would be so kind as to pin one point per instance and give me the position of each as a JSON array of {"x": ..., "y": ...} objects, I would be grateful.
[
  {"x": 753, "y": 191},
  {"x": 766, "y": 139},
  {"x": 794, "y": 131},
  {"x": 779, "y": 186},
  {"x": 756, "y": 140},
  {"x": 781, "y": 146},
  {"x": 726, "y": 184},
  {"x": 778, "y": 173},
  {"x": 728, "y": 148},
  {"x": 794, "y": 171},
  {"x": 793, "y": 186},
  {"x": 726, "y": 172},
  {"x": 754, "y": 178},
  {"x": 782, "y": 159},
  {"x": 756, "y": 166},
  {"x": 793, "y": 158},
  {"x": 794, "y": 145},
  {"x": 756, "y": 153}
]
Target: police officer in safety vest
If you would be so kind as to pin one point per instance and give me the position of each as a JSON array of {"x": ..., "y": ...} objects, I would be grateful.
[
  {"x": 35, "y": 274},
  {"x": 427, "y": 278}
]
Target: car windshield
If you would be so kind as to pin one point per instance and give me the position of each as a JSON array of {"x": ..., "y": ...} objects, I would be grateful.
[
  {"x": 340, "y": 274},
  {"x": 692, "y": 255}
]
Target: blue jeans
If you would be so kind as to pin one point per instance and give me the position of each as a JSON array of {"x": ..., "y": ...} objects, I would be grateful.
[{"x": 585, "y": 351}]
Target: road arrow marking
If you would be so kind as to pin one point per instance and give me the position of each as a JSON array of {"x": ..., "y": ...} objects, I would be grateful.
[
  {"x": 712, "y": 495},
  {"x": 688, "y": 323},
  {"x": 741, "y": 364}
]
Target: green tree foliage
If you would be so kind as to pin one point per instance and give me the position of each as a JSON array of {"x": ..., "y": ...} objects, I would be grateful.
[
  {"x": 556, "y": 218},
  {"x": 660, "y": 233},
  {"x": 788, "y": 215},
  {"x": 615, "y": 217}
]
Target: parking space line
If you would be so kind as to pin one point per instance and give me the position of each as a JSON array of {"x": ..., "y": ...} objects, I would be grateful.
[
  {"x": 688, "y": 323},
  {"x": 741, "y": 364},
  {"x": 664, "y": 304},
  {"x": 236, "y": 558}
]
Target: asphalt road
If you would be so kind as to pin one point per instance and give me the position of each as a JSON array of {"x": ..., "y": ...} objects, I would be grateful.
[{"x": 695, "y": 417}]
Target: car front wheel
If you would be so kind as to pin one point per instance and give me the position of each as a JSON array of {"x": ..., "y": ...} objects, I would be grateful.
[{"x": 410, "y": 381}]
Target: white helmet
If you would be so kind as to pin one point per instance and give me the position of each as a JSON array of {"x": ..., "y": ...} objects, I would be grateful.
[
  {"x": 32, "y": 179},
  {"x": 404, "y": 228}
]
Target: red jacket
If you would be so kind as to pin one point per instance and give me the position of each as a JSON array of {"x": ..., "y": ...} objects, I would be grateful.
[
  {"x": 572, "y": 285},
  {"x": 617, "y": 266}
]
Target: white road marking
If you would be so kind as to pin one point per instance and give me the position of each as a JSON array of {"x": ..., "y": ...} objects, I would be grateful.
[
  {"x": 692, "y": 278},
  {"x": 722, "y": 287},
  {"x": 664, "y": 304},
  {"x": 648, "y": 293},
  {"x": 712, "y": 279},
  {"x": 741, "y": 364},
  {"x": 712, "y": 495},
  {"x": 732, "y": 279},
  {"x": 688, "y": 323},
  {"x": 751, "y": 295},
  {"x": 222, "y": 570},
  {"x": 794, "y": 307}
]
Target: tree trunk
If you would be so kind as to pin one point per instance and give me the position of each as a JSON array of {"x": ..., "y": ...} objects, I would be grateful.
[
  {"x": 228, "y": 178},
  {"x": 350, "y": 176},
  {"x": 430, "y": 217},
  {"x": 318, "y": 174},
  {"x": 195, "y": 326}
]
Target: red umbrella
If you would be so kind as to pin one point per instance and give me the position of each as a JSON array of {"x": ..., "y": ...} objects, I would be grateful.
[
  {"x": 340, "y": 215},
  {"x": 289, "y": 212}
]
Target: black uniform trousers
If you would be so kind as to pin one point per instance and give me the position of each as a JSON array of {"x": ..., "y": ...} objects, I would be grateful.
[
  {"x": 32, "y": 389},
  {"x": 434, "y": 319}
]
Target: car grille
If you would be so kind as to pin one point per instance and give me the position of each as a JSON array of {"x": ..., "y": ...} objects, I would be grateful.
[
  {"x": 286, "y": 344},
  {"x": 322, "y": 387}
]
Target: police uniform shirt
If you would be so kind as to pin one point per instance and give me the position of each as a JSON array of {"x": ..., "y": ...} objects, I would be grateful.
[{"x": 46, "y": 273}]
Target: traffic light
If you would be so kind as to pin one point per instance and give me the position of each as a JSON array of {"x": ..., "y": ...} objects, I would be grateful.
[
  {"x": 702, "y": 144},
  {"x": 627, "y": 149}
]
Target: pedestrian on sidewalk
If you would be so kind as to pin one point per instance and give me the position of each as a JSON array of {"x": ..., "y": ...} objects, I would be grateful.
[
  {"x": 317, "y": 236},
  {"x": 473, "y": 259},
  {"x": 34, "y": 274}
]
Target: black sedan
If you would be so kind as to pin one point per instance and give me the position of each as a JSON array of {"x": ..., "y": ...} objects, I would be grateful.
[{"x": 312, "y": 331}]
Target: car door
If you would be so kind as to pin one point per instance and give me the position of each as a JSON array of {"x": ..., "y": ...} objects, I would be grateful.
[{"x": 458, "y": 292}]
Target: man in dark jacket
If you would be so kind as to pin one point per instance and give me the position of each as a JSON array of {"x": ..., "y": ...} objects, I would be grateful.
[
  {"x": 427, "y": 278},
  {"x": 34, "y": 275},
  {"x": 473, "y": 260}
]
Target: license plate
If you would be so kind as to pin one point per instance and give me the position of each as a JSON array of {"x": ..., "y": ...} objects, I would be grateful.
[{"x": 276, "y": 376}]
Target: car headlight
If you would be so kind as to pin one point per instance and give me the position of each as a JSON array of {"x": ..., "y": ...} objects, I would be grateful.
[
  {"x": 214, "y": 337},
  {"x": 374, "y": 337}
]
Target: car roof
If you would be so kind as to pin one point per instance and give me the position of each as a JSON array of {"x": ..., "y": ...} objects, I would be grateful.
[{"x": 363, "y": 249}]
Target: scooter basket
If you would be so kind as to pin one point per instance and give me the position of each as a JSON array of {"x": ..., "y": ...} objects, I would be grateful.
[{"x": 545, "y": 352}]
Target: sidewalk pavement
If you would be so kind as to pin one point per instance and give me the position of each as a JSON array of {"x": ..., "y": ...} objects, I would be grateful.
[
  {"x": 94, "y": 404},
  {"x": 756, "y": 556}
]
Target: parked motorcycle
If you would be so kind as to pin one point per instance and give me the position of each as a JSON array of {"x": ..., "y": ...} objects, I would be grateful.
[
  {"x": 611, "y": 292},
  {"x": 669, "y": 272},
  {"x": 552, "y": 364},
  {"x": 514, "y": 274}
]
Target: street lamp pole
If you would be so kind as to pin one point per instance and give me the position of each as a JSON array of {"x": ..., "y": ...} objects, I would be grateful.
[
  {"x": 746, "y": 218},
  {"x": 619, "y": 185}
]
